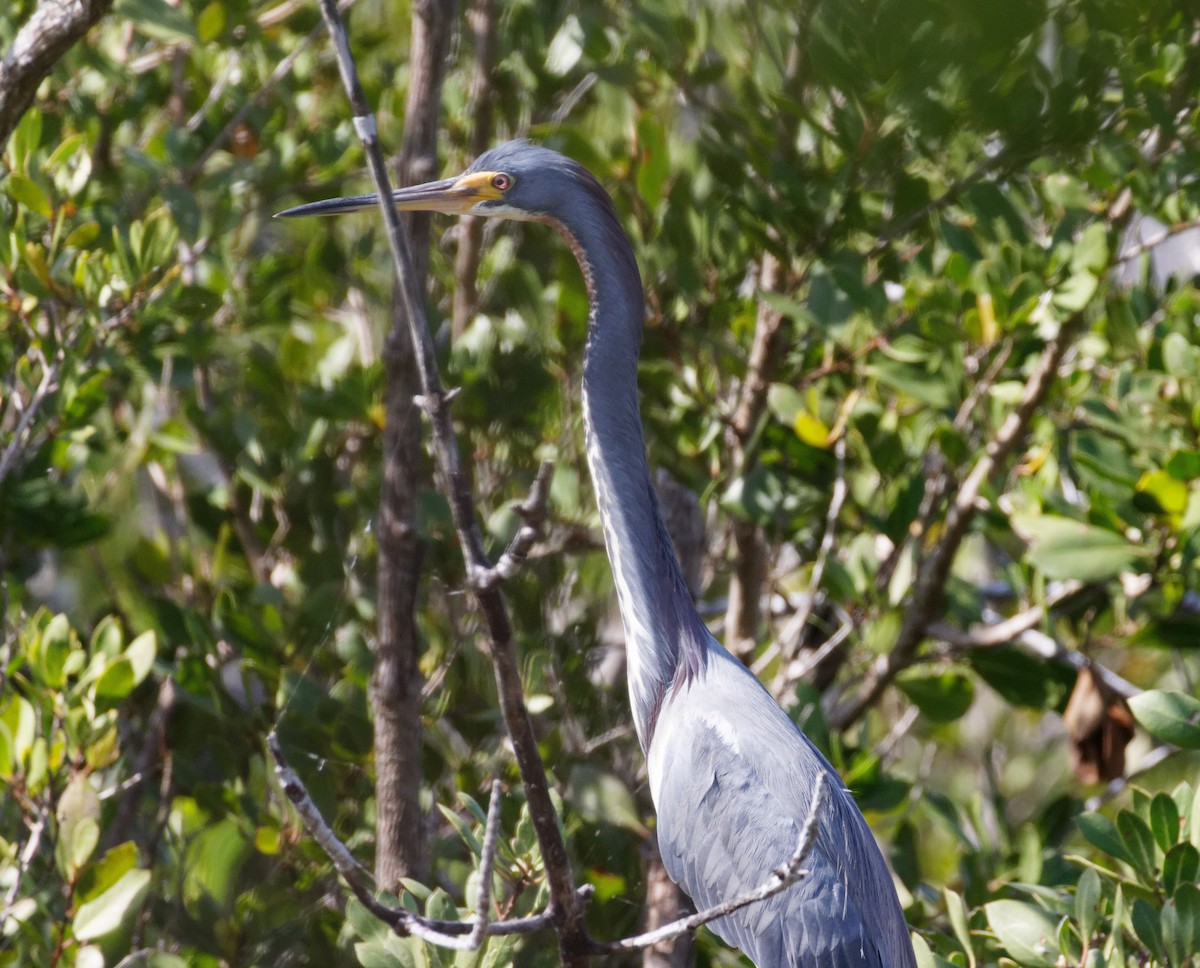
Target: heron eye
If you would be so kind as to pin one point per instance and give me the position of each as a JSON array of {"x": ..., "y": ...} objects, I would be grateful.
[{"x": 501, "y": 182}]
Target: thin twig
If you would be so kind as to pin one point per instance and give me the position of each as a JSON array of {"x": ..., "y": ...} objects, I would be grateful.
[
  {"x": 783, "y": 877},
  {"x": 459, "y": 935},
  {"x": 565, "y": 901},
  {"x": 1002, "y": 632},
  {"x": 17, "y": 443},
  {"x": 487, "y": 860},
  {"x": 533, "y": 511},
  {"x": 797, "y": 626}
]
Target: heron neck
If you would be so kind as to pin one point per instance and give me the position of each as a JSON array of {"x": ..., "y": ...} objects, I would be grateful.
[{"x": 665, "y": 639}]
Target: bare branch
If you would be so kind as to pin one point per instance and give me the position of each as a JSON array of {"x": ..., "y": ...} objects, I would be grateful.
[
  {"x": 1002, "y": 632},
  {"x": 565, "y": 900},
  {"x": 533, "y": 511},
  {"x": 41, "y": 42},
  {"x": 18, "y": 442},
  {"x": 459, "y": 935},
  {"x": 783, "y": 877}
]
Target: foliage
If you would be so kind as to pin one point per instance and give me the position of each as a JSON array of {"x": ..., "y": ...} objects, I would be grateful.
[{"x": 190, "y": 456}]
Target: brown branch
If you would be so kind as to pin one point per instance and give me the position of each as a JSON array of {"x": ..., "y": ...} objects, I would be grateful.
[
  {"x": 933, "y": 571},
  {"x": 396, "y": 687},
  {"x": 1006, "y": 630},
  {"x": 743, "y": 613},
  {"x": 565, "y": 902},
  {"x": 444, "y": 934},
  {"x": 46, "y": 36}
]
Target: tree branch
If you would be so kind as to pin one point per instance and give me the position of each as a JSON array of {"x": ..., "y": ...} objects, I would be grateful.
[
  {"x": 933, "y": 571},
  {"x": 47, "y": 35},
  {"x": 565, "y": 903},
  {"x": 444, "y": 934}
]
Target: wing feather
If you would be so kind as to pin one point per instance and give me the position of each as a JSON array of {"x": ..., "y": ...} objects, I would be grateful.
[{"x": 731, "y": 793}]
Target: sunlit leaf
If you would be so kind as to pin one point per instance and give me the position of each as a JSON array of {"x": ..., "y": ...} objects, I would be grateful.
[
  {"x": 1027, "y": 932},
  {"x": 1173, "y": 717},
  {"x": 105, "y": 913}
]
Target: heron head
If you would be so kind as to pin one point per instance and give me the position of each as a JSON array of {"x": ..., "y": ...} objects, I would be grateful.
[{"x": 516, "y": 180}]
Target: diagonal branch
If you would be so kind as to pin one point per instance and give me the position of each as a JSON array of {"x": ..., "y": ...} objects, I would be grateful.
[
  {"x": 564, "y": 900},
  {"x": 930, "y": 584},
  {"x": 460, "y": 935}
]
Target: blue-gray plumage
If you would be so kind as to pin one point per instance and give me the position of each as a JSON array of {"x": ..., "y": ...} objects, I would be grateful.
[{"x": 730, "y": 774}]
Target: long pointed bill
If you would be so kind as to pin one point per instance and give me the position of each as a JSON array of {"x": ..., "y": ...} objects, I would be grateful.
[{"x": 453, "y": 196}]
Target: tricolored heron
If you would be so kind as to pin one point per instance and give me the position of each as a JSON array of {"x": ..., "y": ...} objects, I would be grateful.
[{"x": 730, "y": 774}]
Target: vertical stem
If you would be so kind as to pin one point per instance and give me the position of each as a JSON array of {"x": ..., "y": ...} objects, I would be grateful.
[
  {"x": 396, "y": 682},
  {"x": 566, "y": 907}
]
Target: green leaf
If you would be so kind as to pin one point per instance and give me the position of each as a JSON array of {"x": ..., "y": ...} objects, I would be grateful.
[
  {"x": 942, "y": 696},
  {"x": 956, "y": 910},
  {"x": 372, "y": 954},
  {"x": 1027, "y": 932},
  {"x": 1166, "y": 493},
  {"x": 1087, "y": 903},
  {"x": 1023, "y": 680},
  {"x": 29, "y": 194},
  {"x": 1076, "y": 292},
  {"x": 20, "y": 722},
  {"x": 1102, "y": 833},
  {"x": 1135, "y": 834},
  {"x": 104, "y": 873},
  {"x": 1063, "y": 548},
  {"x": 1091, "y": 249},
  {"x": 1170, "y": 716},
  {"x": 116, "y": 681},
  {"x": 463, "y": 829},
  {"x": 105, "y": 913},
  {"x": 1164, "y": 821},
  {"x": 1180, "y": 923},
  {"x": 107, "y": 638},
  {"x": 1147, "y": 926},
  {"x": 784, "y": 402},
  {"x": 141, "y": 653},
  {"x": 54, "y": 649},
  {"x": 1184, "y": 465},
  {"x": 917, "y": 382},
  {"x": 603, "y": 798},
  {"x": 654, "y": 163},
  {"x": 1180, "y": 866}
]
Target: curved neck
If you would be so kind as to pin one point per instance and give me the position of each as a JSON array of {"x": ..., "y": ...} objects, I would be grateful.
[{"x": 665, "y": 639}]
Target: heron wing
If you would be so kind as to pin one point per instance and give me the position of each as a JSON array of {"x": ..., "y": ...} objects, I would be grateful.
[{"x": 731, "y": 792}]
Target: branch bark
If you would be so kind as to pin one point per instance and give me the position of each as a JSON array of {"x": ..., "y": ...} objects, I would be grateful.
[
  {"x": 47, "y": 35},
  {"x": 396, "y": 681},
  {"x": 565, "y": 905},
  {"x": 743, "y": 613}
]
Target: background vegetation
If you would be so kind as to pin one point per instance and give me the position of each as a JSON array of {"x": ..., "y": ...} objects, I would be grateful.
[{"x": 912, "y": 344}]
